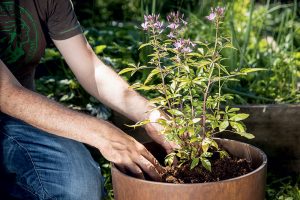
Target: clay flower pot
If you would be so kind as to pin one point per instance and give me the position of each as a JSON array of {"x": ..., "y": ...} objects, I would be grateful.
[{"x": 247, "y": 187}]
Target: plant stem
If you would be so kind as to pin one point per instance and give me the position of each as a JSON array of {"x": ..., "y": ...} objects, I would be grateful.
[
  {"x": 156, "y": 47},
  {"x": 204, "y": 101},
  {"x": 212, "y": 66}
]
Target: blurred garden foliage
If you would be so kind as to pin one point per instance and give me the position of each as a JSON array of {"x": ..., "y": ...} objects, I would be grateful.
[{"x": 265, "y": 34}]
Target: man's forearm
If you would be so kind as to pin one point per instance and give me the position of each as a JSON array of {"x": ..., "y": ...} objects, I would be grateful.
[
  {"x": 48, "y": 115},
  {"x": 54, "y": 118},
  {"x": 101, "y": 81}
]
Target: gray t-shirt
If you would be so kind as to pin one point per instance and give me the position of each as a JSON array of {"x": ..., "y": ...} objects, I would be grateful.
[{"x": 26, "y": 26}]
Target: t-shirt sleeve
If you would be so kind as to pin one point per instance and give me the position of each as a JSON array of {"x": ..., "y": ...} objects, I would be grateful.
[{"x": 62, "y": 22}]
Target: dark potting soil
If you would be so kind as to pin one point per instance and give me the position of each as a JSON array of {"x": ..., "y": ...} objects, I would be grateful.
[{"x": 226, "y": 168}]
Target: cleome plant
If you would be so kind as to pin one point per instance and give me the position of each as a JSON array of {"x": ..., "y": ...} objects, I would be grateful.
[{"x": 188, "y": 77}]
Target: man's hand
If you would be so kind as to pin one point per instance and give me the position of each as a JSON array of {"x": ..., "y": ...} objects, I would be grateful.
[
  {"x": 129, "y": 155},
  {"x": 154, "y": 130}
]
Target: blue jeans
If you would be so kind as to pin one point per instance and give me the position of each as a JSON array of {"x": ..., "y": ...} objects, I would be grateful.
[{"x": 38, "y": 165}]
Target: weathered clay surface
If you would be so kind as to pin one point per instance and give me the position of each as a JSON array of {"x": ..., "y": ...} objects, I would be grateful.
[{"x": 247, "y": 187}]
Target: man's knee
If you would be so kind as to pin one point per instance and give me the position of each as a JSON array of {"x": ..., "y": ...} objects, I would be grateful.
[{"x": 84, "y": 185}]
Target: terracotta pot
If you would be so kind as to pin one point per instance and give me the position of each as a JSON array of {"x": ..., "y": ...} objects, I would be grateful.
[{"x": 247, "y": 187}]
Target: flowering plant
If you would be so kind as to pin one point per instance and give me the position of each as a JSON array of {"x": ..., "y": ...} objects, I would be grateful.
[{"x": 189, "y": 76}]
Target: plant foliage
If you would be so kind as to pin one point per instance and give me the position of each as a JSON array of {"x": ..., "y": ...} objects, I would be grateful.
[{"x": 188, "y": 77}]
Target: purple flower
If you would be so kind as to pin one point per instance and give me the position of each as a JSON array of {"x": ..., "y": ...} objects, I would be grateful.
[
  {"x": 145, "y": 25},
  {"x": 220, "y": 11},
  {"x": 216, "y": 13},
  {"x": 173, "y": 26},
  {"x": 186, "y": 50},
  {"x": 158, "y": 25},
  {"x": 152, "y": 23},
  {"x": 178, "y": 44},
  {"x": 184, "y": 46},
  {"x": 171, "y": 35},
  {"x": 211, "y": 16},
  {"x": 175, "y": 20}
]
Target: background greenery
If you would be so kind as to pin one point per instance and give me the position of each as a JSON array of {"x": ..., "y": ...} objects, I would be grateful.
[{"x": 265, "y": 33}]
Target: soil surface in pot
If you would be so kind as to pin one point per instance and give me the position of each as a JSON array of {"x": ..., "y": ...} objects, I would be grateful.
[{"x": 226, "y": 168}]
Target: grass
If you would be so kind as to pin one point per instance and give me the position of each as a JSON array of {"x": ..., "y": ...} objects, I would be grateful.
[{"x": 282, "y": 188}]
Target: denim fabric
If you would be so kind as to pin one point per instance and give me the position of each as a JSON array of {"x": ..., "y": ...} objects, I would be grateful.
[{"x": 38, "y": 165}]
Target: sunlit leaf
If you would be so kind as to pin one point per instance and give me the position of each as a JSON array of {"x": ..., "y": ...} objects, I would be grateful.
[
  {"x": 223, "y": 125},
  {"x": 151, "y": 75},
  {"x": 99, "y": 49},
  {"x": 249, "y": 70},
  {"x": 196, "y": 120},
  {"x": 144, "y": 45},
  {"x": 207, "y": 154},
  {"x": 175, "y": 112},
  {"x": 194, "y": 163},
  {"x": 239, "y": 117},
  {"x": 170, "y": 159},
  {"x": 140, "y": 123},
  {"x": 233, "y": 110},
  {"x": 206, "y": 163},
  {"x": 123, "y": 71},
  {"x": 223, "y": 154}
]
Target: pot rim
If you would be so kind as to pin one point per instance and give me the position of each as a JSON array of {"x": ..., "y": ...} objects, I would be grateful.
[{"x": 263, "y": 165}]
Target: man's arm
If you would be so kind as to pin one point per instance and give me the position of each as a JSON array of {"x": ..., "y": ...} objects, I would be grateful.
[
  {"x": 107, "y": 86},
  {"x": 49, "y": 116}
]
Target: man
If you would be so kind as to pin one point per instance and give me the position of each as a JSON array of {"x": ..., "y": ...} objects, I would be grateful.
[{"x": 41, "y": 141}]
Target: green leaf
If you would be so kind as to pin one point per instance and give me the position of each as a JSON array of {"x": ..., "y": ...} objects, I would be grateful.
[
  {"x": 140, "y": 123},
  {"x": 194, "y": 139},
  {"x": 206, "y": 144},
  {"x": 229, "y": 45},
  {"x": 181, "y": 131},
  {"x": 214, "y": 144},
  {"x": 246, "y": 135},
  {"x": 249, "y": 70},
  {"x": 170, "y": 159},
  {"x": 191, "y": 130},
  {"x": 123, "y": 71},
  {"x": 151, "y": 75},
  {"x": 67, "y": 97},
  {"x": 239, "y": 117},
  {"x": 237, "y": 126},
  {"x": 194, "y": 163},
  {"x": 207, "y": 154},
  {"x": 196, "y": 120},
  {"x": 223, "y": 69},
  {"x": 162, "y": 122},
  {"x": 223, "y": 154},
  {"x": 144, "y": 45},
  {"x": 99, "y": 49},
  {"x": 203, "y": 63},
  {"x": 233, "y": 110},
  {"x": 241, "y": 130},
  {"x": 175, "y": 112},
  {"x": 223, "y": 125},
  {"x": 206, "y": 163}
]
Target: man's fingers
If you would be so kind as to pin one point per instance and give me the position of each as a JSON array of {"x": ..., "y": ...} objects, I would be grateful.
[
  {"x": 169, "y": 146},
  {"x": 148, "y": 156},
  {"x": 133, "y": 169},
  {"x": 121, "y": 168},
  {"x": 149, "y": 168}
]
